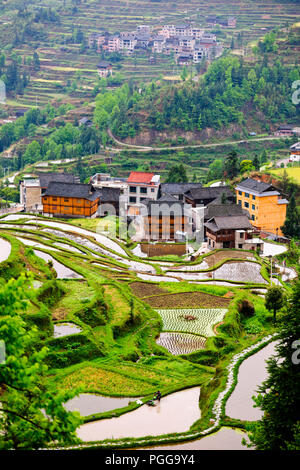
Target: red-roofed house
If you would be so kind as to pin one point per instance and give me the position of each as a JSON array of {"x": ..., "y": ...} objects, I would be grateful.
[{"x": 141, "y": 186}]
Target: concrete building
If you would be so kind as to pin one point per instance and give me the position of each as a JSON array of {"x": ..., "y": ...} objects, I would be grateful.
[
  {"x": 266, "y": 206},
  {"x": 141, "y": 186}
]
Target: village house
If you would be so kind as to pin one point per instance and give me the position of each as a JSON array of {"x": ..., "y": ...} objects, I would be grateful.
[
  {"x": 32, "y": 189},
  {"x": 141, "y": 186},
  {"x": 177, "y": 190},
  {"x": 284, "y": 131},
  {"x": 228, "y": 232},
  {"x": 103, "y": 181},
  {"x": 178, "y": 39},
  {"x": 104, "y": 69},
  {"x": 265, "y": 204},
  {"x": 295, "y": 152},
  {"x": 167, "y": 219},
  {"x": 70, "y": 200},
  {"x": 203, "y": 196}
]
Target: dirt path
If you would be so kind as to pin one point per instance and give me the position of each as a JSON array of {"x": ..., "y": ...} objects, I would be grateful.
[{"x": 141, "y": 148}]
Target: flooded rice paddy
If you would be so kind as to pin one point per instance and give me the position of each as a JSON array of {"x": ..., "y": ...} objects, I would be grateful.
[
  {"x": 175, "y": 413},
  {"x": 62, "y": 271},
  {"x": 5, "y": 249},
  {"x": 88, "y": 404},
  {"x": 224, "y": 439},
  {"x": 252, "y": 373},
  {"x": 243, "y": 271},
  {"x": 181, "y": 343},
  {"x": 28, "y": 242},
  {"x": 65, "y": 329}
]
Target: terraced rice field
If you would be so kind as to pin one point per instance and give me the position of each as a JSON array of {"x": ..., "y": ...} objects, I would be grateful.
[
  {"x": 144, "y": 289},
  {"x": 195, "y": 321},
  {"x": 187, "y": 300},
  {"x": 181, "y": 343}
]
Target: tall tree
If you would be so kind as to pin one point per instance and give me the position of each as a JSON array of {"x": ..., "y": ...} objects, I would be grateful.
[
  {"x": 177, "y": 174},
  {"x": 31, "y": 415},
  {"x": 279, "y": 398},
  {"x": 231, "y": 167},
  {"x": 291, "y": 226},
  {"x": 274, "y": 300}
]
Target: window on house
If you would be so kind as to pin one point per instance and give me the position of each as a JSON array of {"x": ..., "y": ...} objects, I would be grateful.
[
  {"x": 246, "y": 204},
  {"x": 152, "y": 190},
  {"x": 241, "y": 235},
  {"x": 246, "y": 194},
  {"x": 253, "y": 197},
  {"x": 132, "y": 199},
  {"x": 132, "y": 189},
  {"x": 240, "y": 193},
  {"x": 240, "y": 245},
  {"x": 253, "y": 207},
  {"x": 66, "y": 200},
  {"x": 54, "y": 208},
  {"x": 55, "y": 199},
  {"x": 240, "y": 202},
  {"x": 253, "y": 217},
  {"x": 143, "y": 190}
]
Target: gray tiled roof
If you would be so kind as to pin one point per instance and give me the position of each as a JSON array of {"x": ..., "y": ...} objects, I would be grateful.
[
  {"x": 223, "y": 210},
  {"x": 47, "y": 178},
  {"x": 240, "y": 222},
  {"x": 255, "y": 185},
  {"x": 208, "y": 193},
  {"x": 76, "y": 190},
  {"x": 178, "y": 188}
]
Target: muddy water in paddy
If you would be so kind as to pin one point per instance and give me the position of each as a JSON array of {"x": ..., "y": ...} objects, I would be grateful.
[
  {"x": 224, "y": 439},
  {"x": 252, "y": 373},
  {"x": 88, "y": 404},
  {"x": 5, "y": 249},
  {"x": 175, "y": 413},
  {"x": 28, "y": 242},
  {"x": 242, "y": 271},
  {"x": 65, "y": 329},
  {"x": 105, "y": 241},
  {"x": 62, "y": 271}
]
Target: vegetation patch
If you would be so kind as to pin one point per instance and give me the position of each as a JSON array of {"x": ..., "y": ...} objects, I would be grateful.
[
  {"x": 145, "y": 289},
  {"x": 187, "y": 300}
]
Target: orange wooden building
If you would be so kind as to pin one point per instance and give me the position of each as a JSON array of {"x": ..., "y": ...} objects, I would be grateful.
[{"x": 70, "y": 200}]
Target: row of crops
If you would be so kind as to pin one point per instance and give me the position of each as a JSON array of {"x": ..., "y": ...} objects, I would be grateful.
[{"x": 186, "y": 330}]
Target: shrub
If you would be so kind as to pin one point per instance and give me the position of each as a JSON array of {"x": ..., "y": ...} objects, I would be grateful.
[
  {"x": 246, "y": 308},
  {"x": 50, "y": 293},
  {"x": 95, "y": 313}
]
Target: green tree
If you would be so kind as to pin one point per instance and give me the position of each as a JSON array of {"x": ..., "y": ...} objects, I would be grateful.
[
  {"x": 231, "y": 167},
  {"x": 291, "y": 226},
  {"x": 246, "y": 165},
  {"x": 274, "y": 300},
  {"x": 256, "y": 162},
  {"x": 32, "y": 416},
  {"x": 184, "y": 73},
  {"x": 177, "y": 174},
  {"x": 36, "y": 61},
  {"x": 278, "y": 396}
]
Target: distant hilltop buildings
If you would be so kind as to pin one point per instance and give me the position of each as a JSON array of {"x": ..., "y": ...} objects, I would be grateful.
[{"x": 188, "y": 43}]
